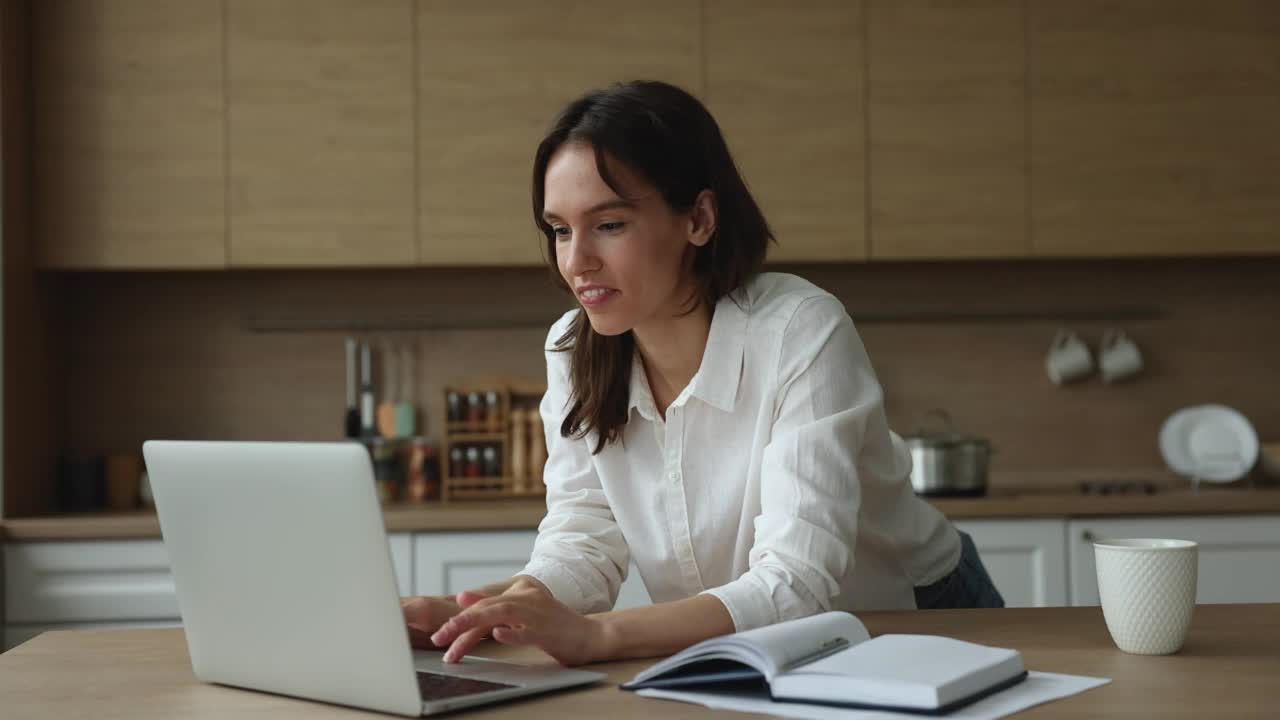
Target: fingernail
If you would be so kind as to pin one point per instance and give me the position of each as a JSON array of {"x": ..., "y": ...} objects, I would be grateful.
[{"x": 438, "y": 637}]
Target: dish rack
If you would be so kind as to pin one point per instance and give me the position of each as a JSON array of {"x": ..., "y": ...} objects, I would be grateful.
[{"x": 493, "y": 443}]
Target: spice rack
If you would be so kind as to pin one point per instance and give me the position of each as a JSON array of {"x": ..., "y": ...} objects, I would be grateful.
[{"x": 493, "y": 443}]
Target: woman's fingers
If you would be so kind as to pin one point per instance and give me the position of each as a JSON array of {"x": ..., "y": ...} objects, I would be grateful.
[
  {"x": 464, "y": 643},
  {"x": 508, "y": 635},
  {"x": 467, "y": 598},
  {"x": 424, "y": 615}
]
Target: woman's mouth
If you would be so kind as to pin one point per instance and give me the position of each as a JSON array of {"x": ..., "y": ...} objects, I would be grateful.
[{"x": 596, "y": 296}]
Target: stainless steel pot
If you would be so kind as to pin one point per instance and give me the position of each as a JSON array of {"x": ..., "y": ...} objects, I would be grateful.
[{"x": 945, "y": 462}]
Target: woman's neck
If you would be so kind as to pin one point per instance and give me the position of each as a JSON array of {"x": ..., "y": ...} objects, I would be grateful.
[{"x": 672, "y": 352}]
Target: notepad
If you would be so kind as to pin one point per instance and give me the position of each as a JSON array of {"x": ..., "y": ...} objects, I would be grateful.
[{"x": 831, "y": 659}]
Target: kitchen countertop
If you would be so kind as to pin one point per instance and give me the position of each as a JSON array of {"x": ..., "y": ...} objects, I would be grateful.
[
  {"x": 1227, "y": 668},
  {"x": 1000, "y": 503}
]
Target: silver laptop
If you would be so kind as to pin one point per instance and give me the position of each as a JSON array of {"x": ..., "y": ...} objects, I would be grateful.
[{"x": 285, "y": 582}]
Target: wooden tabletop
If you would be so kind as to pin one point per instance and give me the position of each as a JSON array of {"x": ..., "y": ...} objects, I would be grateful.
[
  {"x": 525, "y": 514},
  {"x": 1229, "y": 667}
]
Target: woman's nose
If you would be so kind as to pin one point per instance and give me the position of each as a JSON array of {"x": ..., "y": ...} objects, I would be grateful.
[{"x": 580, "y": 256}]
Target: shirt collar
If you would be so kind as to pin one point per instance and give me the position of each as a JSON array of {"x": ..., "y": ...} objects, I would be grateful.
[{"x": 720, "y": 371}]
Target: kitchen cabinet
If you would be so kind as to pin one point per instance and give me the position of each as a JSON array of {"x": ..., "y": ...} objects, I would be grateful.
[
  {"x": 320, "y": 127},
  {"x": 491, "y": 76},
  {"x": 449, "y": 562},
  {"x": 1026, "y": 559},
  {"x": 1239, "y": 555},
  {"x": 786, "y": 83},
  {"x": 1153, "y": 127},
  {"x": 127, "y": 128},
  {"x": 948, "y": 129},
  {"x": 110, "y": 583}
]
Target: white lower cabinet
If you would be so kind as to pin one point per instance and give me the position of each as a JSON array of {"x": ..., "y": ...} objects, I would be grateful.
[
  {"x": 1239, "y": 554},
  {"x": 109, "y": 583},
  {"x": 1026, "y": 559},
  {"x": 449, "y": 562}
]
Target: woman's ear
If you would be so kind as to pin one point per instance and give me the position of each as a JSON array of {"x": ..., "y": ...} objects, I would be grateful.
[{"x": 702, "y": 219}]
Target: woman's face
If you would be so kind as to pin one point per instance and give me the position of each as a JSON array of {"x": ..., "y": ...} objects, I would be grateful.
[{"x": 627, "y": 258}]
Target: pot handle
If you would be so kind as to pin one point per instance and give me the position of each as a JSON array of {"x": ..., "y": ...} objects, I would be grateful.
[{"x": 938, "y": 413}]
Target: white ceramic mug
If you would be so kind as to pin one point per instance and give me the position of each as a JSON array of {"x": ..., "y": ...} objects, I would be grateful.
[
  {"x": 1148, "y": 592},
  {"x": 1068, "y": 359},
  {"x": 1118, "y": 356}
]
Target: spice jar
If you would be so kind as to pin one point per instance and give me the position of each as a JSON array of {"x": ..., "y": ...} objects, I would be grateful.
[
  {"x": 475, "y": 409},
  {"x": 493, "y": 412},
  {"x": 454, "y": 402},
  {"x": 473, "y": 468}
]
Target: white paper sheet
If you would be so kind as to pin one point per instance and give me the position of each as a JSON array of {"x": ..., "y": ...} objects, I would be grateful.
[{"x": 1038, "y": 688}]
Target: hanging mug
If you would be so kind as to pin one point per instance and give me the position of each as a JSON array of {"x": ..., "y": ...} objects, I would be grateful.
[{"x": 1069, "y": 358}]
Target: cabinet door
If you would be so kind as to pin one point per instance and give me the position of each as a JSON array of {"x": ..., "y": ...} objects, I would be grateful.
[
  {"x": 129, "y": 163},
  {"x": 402, "y": 560},
  {"x": 449, "y": 562},
  {"x": 492, "y": 75},
  {"x": 56, "y": 582},
  {"x": 321, "y": 136},
  {"x": 948, "y": 122},
  {"x": 1153, "y": 127},
  {"x": 1027, "y": 559},
  {"x": 1239, "y": 554},
  {"x": 785, "y": 82}
]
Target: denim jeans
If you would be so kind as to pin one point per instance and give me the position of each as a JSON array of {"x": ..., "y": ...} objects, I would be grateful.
[{"x": 968, "y": 586}]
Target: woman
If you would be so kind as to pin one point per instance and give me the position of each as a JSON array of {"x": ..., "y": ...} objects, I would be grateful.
[{"x": 721, "y": 428}]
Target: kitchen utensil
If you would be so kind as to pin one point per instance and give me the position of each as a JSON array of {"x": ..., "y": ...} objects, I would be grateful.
[
  {"x": 366, "y": 391},
  {"x": 406, "y": 412},
  {"x": 351, "y": 422},
  {"x": 945, "y": 462},
  {"x": 387, "y": 408},
  {"x": 1069, "y": 358},
  {"x": 1118, "y": 356},
  {"x": 1209, "y": 442}
]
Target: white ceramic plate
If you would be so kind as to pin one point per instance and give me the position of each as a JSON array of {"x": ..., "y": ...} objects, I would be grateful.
[{"x": 1212, "y": 442}]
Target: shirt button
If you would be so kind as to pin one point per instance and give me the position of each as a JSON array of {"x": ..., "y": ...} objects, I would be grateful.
[{"x": 675, "y": 476}]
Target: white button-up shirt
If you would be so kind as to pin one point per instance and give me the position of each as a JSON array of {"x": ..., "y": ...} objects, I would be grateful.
[{"x": 774, "y": 482}]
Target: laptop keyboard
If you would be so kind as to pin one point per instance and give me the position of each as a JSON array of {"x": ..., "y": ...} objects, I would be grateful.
[{"x": 440, "y": 687}]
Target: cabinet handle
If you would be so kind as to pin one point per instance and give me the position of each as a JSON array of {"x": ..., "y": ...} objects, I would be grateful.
[{"x": 1088, "y": 536}]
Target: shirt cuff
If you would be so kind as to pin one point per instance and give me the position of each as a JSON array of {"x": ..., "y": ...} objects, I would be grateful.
[
  {"x": 562, "y": 584},
  {"x": 749, "y": 602}
]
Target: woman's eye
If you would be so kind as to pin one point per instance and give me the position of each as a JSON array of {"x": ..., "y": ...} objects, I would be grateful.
[
  {"x": 612, "y": 226},
  {"x": 560, "y": 231}
]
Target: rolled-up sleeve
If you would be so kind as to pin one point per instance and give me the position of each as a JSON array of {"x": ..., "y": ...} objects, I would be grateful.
[
  {"x": 809, "y": 484},
  {"x": 580, "y": 553}
]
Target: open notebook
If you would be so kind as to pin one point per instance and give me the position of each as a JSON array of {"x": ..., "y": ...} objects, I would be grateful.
[{"x": 831, "y": 659}]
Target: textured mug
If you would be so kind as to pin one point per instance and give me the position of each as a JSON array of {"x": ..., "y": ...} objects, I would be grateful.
[{"x": 1148, "y": 592}]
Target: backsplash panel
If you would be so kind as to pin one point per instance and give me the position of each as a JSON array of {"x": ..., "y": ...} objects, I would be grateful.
[{"x": 259, "y": 355}]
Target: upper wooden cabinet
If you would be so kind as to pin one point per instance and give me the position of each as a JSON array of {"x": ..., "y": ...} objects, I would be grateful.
[
  {"x": 1153, "y": 127},
  {"x": 492, "y": 75},
  {"x": 948, "y": 122},
  {"x": 128, "y": 134},
  {"x": 321, "y": 132},
  {"x": 786, "y": 83}
]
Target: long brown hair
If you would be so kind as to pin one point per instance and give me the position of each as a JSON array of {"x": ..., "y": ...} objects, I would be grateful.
[{"x": 668, "y": 138}]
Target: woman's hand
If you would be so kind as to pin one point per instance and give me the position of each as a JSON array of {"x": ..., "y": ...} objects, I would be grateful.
[
  {"x": 526, "y": 614},
  {"x": 424, "y": 615}
]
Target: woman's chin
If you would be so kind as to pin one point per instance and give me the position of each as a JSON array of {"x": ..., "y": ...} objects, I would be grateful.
[{"x": 605, "y": 325}]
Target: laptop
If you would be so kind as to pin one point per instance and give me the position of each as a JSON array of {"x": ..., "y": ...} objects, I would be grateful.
[{"x": 285, "y": 582}]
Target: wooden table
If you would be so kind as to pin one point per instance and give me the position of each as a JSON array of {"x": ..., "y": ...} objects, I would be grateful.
[{"x": 1230, "y": 667}]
